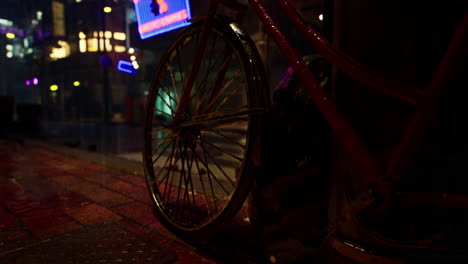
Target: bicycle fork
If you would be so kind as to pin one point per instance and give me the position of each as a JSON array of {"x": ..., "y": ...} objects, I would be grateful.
[{"x": 199, "y": 54}]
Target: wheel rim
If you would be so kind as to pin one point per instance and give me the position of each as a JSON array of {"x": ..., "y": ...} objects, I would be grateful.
[{"x": 193, "y": 167}]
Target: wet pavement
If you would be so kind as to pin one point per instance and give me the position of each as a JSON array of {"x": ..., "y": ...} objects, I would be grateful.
[{"x": 58, "y": 209}]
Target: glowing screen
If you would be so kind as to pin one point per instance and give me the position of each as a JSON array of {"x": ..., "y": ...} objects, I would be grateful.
[{"x": 159, "y": 16}]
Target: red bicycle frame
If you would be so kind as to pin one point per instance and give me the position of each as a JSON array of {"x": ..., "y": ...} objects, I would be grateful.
[
  {"x": 422, "y": 121},
  {"x": 429, "y": 102}
]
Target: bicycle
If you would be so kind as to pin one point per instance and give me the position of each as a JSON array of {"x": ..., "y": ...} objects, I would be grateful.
[{"x": 206, "y": 106}]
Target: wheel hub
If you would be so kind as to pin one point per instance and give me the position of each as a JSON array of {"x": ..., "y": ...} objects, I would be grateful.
[{"x": 188, "y": 136}]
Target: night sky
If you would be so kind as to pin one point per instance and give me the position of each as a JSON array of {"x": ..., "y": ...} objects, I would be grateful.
[{"x": 10, "y": 9}]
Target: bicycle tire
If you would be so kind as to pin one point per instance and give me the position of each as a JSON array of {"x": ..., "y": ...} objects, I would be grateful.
[{"x": 189, "y": 141}]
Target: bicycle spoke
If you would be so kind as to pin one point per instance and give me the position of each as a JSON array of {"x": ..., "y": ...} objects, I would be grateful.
[
  {"x": 168, "y": 170},
  {"x": 226, "y": 113},
  {"x": 225, "y": 152},
  {"x": 163, "y": 134},
  {"x": 160, "y": 142},
  {"x": 201, "y": 181},
  {"x": 229, "y": 117},
  {"x": 171, "y": 172},
  {"x": 184, "y": 179},
  {"x": 181, "y": 69},
  {"x": 162, "y": 139},
  {"x": 188, "y": 186},
  {"x": 212, "y": 52},
  {"x": 162, "y": 112},
  {"x": 166, "y": 177},
  {"x": 180, "y": 182},
  {"x": 210, "y": 58},
  {"x": 190, "y": 181},
  {"x": 164, "y": 166},
  {"x": 185, "y": 175},
  {"x": 203, "y": 82},
  {"x": 168, "y": 105},
  {"x": 169, "y": 94},
  {"x": 158, "y": 147},
  {"x": 208, "y": 172},
  {"x": 159, "y": 130},
  {"x": 208, "y": 62},
  {"x": 213, "y": 89},
  {"x": 225, "y": 137},
  {"x": 214, "y": 176},
  {"x": 205, "y": 77},
  {"x": 225, "y": 87},
  {"x": 174, "y": 85},
  {"x": 164, "y": 150},
  {"x": 219, "y": 167},
  {"x": 225, "y": 122},
  {"x": 228, "y": 97}
]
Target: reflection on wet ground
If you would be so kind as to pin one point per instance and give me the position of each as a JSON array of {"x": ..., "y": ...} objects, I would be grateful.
[{"x": 44, "y": 194}]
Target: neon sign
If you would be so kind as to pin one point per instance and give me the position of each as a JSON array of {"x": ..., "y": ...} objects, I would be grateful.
[
  {"x": 126, "y": 66},
  {"x": 159, "y": 16}
]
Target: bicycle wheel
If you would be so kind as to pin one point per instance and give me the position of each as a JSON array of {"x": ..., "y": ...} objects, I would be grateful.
[{"x": 200, "y": 170}]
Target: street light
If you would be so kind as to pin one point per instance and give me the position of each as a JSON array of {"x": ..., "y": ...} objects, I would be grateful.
[
  {"x": 76, "y": 83},
  {"x": 107, "y": 9},
  {"x": 53, "y": 87},
  {"x": 10, "y": 35}
]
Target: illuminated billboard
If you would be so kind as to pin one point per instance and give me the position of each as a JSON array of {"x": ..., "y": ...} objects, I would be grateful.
[{"x": 159, "y": 16}]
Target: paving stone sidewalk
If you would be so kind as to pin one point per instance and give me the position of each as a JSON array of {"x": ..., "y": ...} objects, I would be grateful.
[{"x": 45, "y": 194}]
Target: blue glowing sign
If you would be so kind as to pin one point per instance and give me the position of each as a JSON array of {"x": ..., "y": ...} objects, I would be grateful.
[
  {"x": 159, "y": 16},
  {"x": 126, "y": 66}
]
